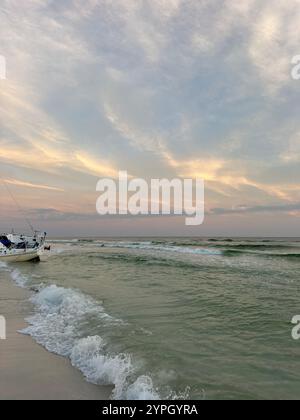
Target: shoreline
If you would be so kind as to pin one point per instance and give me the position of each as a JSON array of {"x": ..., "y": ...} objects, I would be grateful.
[{"x": 27, "y": 370}]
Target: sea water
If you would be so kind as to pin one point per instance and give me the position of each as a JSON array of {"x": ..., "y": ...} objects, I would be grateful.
[{"x": 171, "y": 318}]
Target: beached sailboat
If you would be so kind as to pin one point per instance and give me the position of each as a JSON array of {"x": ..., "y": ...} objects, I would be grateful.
[{"x": 21, "y": 248}]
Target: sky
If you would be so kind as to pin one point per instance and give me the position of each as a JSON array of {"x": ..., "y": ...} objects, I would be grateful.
[{"x": 162, "y": 89}]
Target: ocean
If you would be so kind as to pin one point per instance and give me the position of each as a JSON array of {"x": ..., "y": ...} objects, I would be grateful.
[{"x": 171, "y": 318}]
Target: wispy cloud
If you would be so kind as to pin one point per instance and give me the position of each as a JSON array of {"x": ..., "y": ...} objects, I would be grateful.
[
  {"x": 30, "y": 185},
  {"x": 160, "y": 88},
  {"x": 283, "y": 208}
]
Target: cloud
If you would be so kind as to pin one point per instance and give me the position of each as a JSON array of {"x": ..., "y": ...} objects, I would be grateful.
[
  {"x": 160, "y": 88},
  {"x": 43, "y": 214},
  {"x": 30, "y": 185},
  {"x": 283, "y": 208},
  {"x": 95, "y": 166}
]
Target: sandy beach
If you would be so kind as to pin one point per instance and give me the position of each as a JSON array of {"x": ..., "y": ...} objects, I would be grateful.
[{"x": 27, "y": 370}]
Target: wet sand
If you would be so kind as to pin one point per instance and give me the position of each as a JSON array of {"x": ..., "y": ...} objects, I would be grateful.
[{"x": 27, "y": 370}]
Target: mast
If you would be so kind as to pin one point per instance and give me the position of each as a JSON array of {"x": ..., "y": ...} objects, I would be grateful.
[{"x": 22, "y": 212}]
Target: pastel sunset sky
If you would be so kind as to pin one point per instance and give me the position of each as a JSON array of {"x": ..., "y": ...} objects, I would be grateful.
[{"x": 160, "y": 88}]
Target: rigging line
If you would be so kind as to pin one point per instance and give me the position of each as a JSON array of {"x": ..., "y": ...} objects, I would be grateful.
[{"x": 17, "y": 204}]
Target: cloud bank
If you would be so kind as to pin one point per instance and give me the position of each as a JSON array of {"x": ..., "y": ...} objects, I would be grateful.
[{"x": 159, "y": 88}]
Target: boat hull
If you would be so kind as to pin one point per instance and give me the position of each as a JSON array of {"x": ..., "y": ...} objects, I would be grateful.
[{"x": 21, "y": 257}]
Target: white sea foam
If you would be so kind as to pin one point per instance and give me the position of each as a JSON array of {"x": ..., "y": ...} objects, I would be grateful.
[
  {"x": 20, "y": 279},
  {"x": 143, "y": 388},
  {"x": 60, "y": 311},
  {"x": 65, "y": 241},
  {"x": 167, "y": 248},
  {"x": 3, "y": 266},
  {"x": 57, "y": 251},
  {"x": 88, "y": 355},
  {"x": 57, "y": 326}
]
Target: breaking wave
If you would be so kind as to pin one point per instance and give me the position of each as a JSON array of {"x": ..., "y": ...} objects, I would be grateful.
[
  {"x": 3, "y": 266},
  {"x": 59, "y": 325},
  {"x": 160, "y": 247},
  {"x": 233, "y": 252},
  {"x": 146, "y": 260},
  {"x": 19, "y": 278}
]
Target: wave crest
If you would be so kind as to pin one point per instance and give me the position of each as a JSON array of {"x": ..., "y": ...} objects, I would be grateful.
[{"x": 57, "y": 326}]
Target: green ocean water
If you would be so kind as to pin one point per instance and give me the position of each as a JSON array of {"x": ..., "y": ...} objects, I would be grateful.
[{"x": 172, "y": 318}]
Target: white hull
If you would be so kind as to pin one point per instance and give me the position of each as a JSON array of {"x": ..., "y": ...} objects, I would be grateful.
[{"x": 21, "y": 256}]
